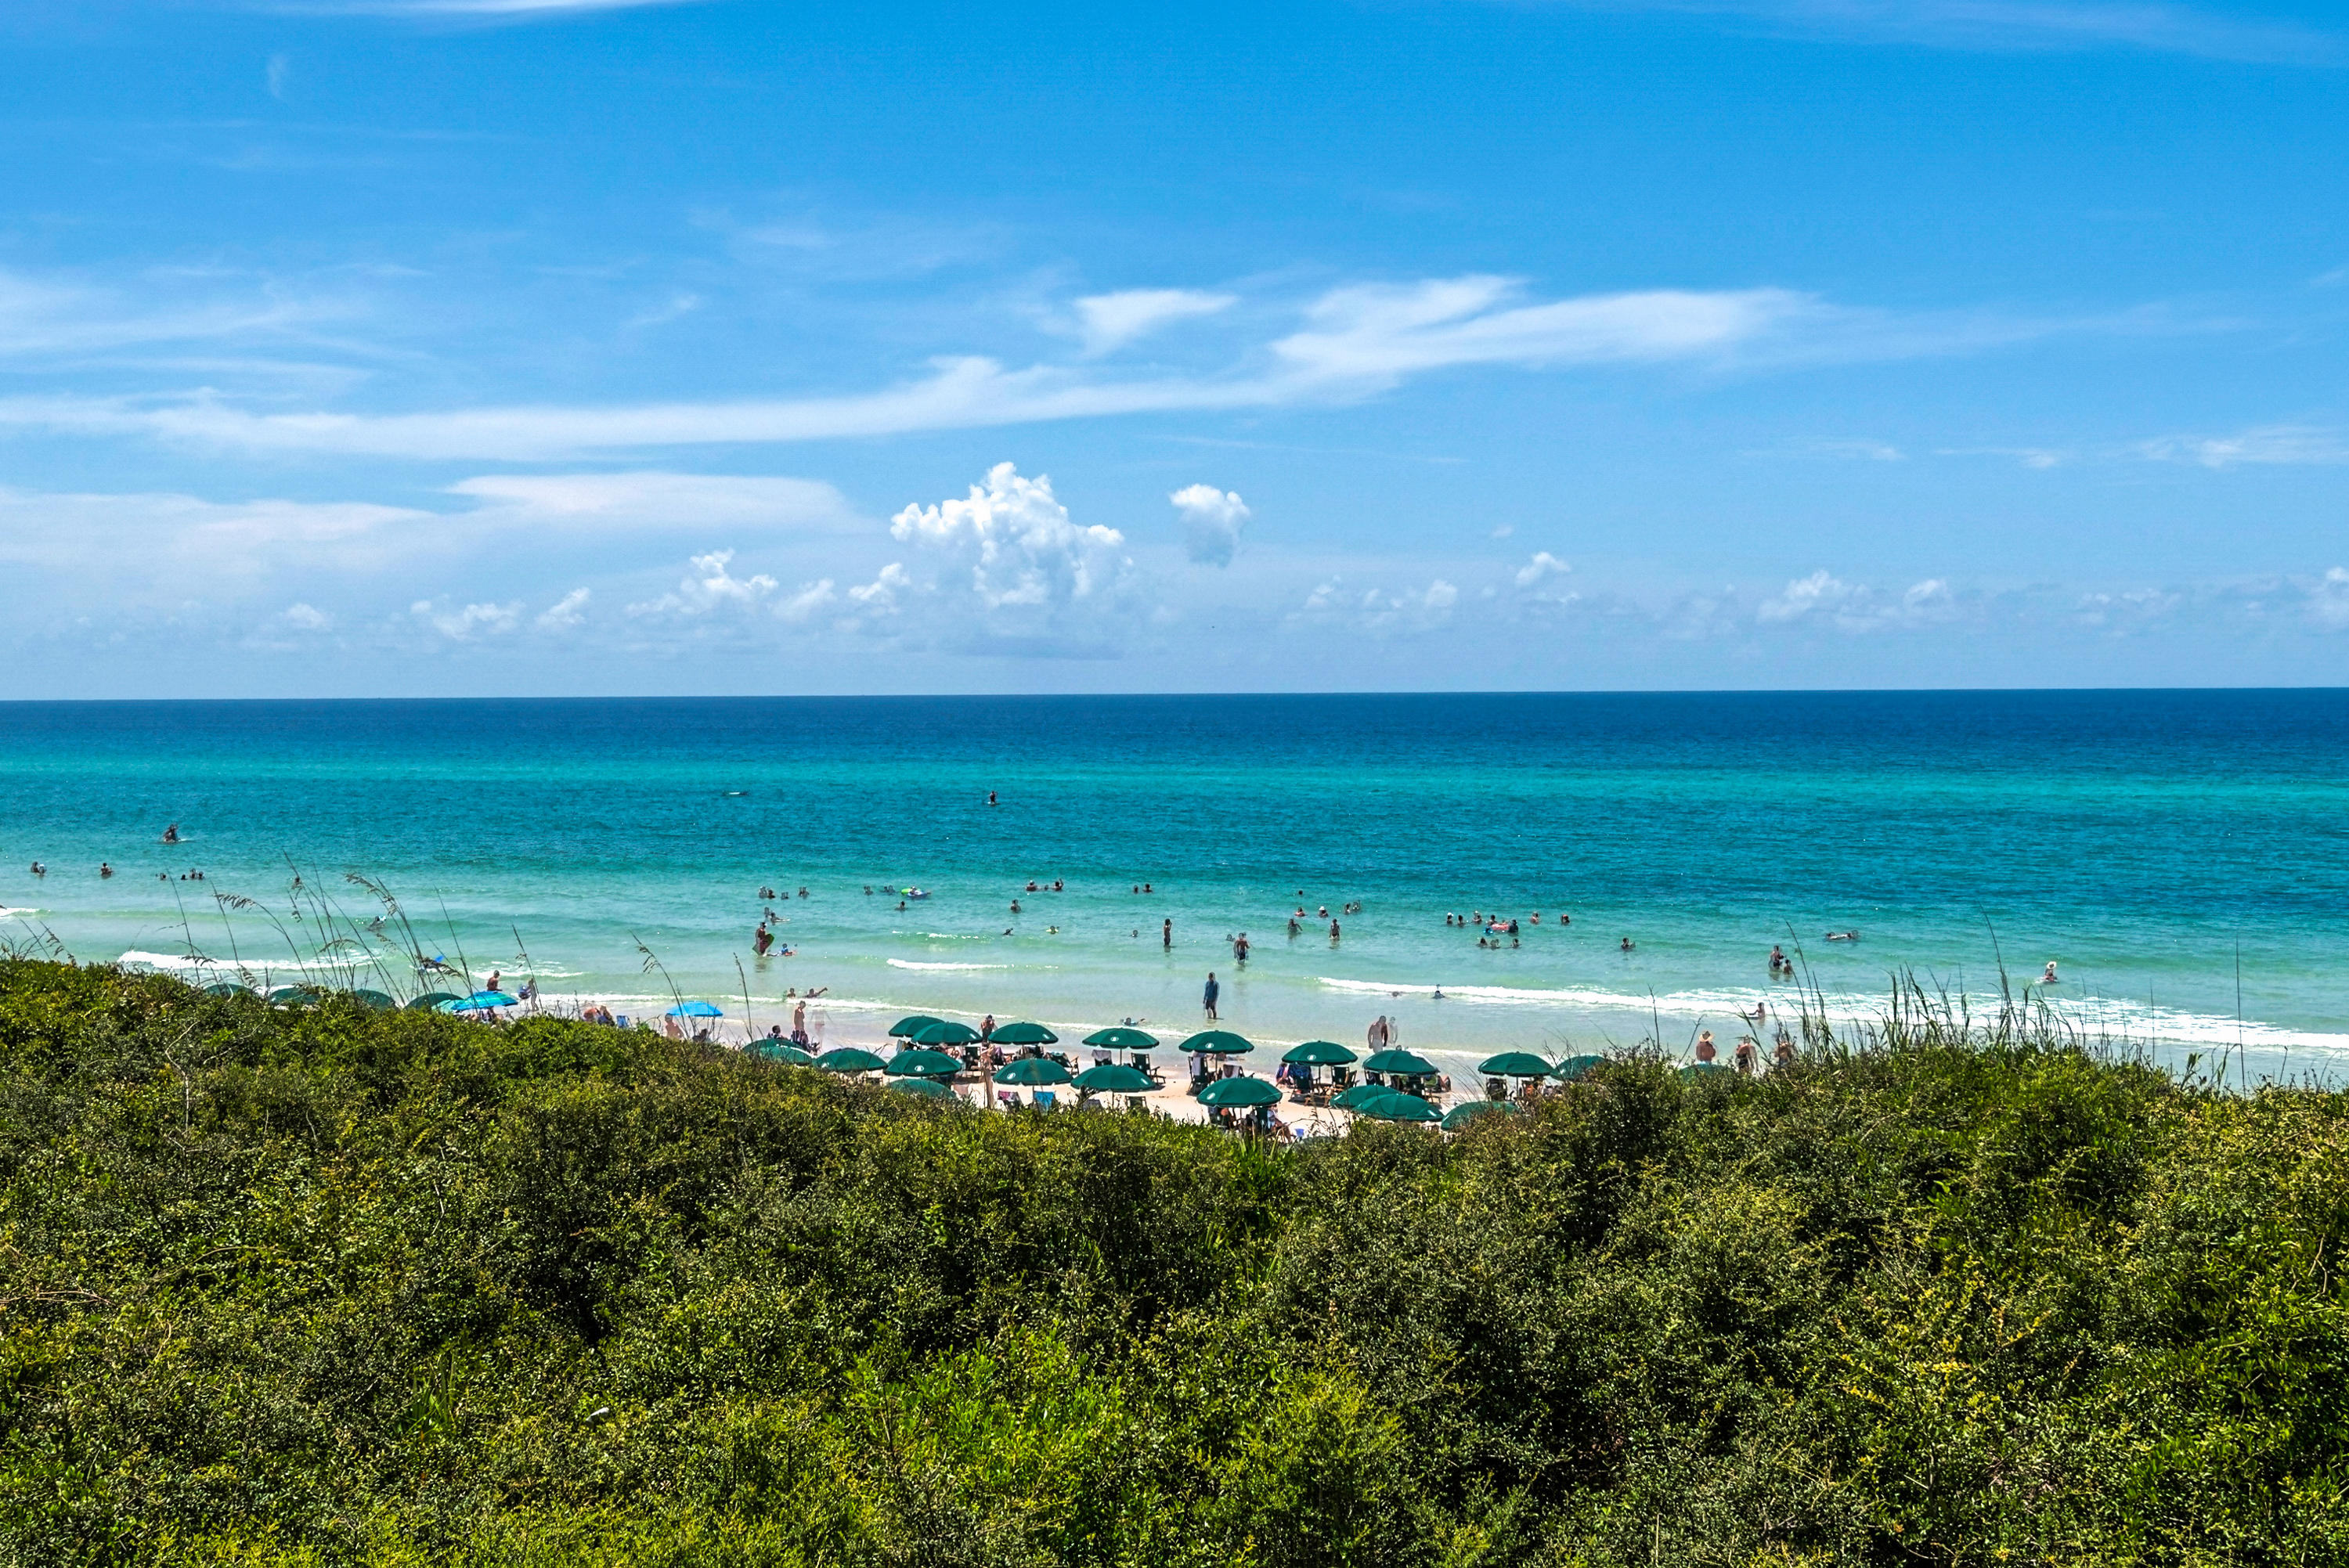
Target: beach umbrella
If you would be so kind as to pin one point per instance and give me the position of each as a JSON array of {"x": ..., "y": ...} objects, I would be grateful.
[
  {"x": 1402, "y": 1063},
  {"x": 479, "y": 1002},
  {"x": 941, "y": 1032},
  {"x": 1706, "y": 1070},
  {"x": 906, "y": 1029},
  {"x": 929, "y": 1088},
  {"x": 431, "y": 999},
  {"x": 294, "y": 996},
  {"x": 1032, "y": 1072},
  {"x": 1460, "y": 1115},
  {"x": 774, "y": 1050},
  {"x": 1114, "y": 1077},
  {"x": 1024, "y": 1034},
  {"x": 849, "y": 1059},
  {"x": 1352, "y": 1098},
  {"x": 228, "y": 988},
  {"x": 1574, "y": 1068},
  {"x": 1239, "y": 1094},
  {"x": 919, "y": 1063},
  {"x": 1217, "y": 1043},
  {"x": 374, "y": 1001},
  {"x": 1396, "y": 1105},
  {"x": 1514, "y": 1064},
  {"x": 697, "y": 1010},
  {"x": 1123, "y": 1040},
  {"x": 1317, "y": 1053}
]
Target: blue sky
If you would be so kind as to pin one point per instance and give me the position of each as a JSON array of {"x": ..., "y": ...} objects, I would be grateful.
[{"x": 523, "y": 346}]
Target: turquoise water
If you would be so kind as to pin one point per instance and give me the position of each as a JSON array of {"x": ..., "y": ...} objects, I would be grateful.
[{"x": 2140, "y": 838}]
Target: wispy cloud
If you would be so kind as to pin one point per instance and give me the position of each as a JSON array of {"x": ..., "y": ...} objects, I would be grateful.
[
  {"x": 1114, "y": 320},
  {"x": 2024, "y": 24},
  {"x": 2264, "y": 445},
  {"x": 1356, "y": 342},
  {"x": 513, "y": 10}
]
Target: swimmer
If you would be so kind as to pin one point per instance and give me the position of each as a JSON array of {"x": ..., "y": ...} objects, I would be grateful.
[
  {"x": 1333, "y": 933},
  {"x": 1031, "y": 886},
  {"x": 1056, "y": 884},
  {"x": 1052, "y": 930},
  {"x": 1015, "y": 906},
  {"x": 2050, "y": 978},
  {"x": 1166, "y": 933},
  {"x": 803, "y": 892},
  {"x": 1295, "y": 929},
  {"x": 172, "y": 834},
  {"x": 1704, "y": 1046},
  {"x": 104, "y": 869},
  {"x": 40, "y": 870},
  {"x": 1626, "y": 944},
  {"x": 990, "y": 797},
  {"x": 1843, "y": 936},
  {"x": 1439, "y": 994}
]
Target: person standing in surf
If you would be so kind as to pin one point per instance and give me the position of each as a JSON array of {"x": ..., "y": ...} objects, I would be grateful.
[{"x": 1207, "y": 997}]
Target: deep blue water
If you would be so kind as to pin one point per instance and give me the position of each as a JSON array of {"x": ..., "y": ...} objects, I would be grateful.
[{"x": 2139, "y": 838}]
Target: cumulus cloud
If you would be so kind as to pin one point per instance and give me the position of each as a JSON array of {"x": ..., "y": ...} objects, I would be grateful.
[
  {"x": 1212, "y": 521},
  {"x": 1541, "y": 569},
  {"x": 1851, "y": 607},
  {"x": 2328, "y": 600},
  {"x": 565, "y": 612},
  {"x": 471, "y": 622},
  {"x": 1007, "y": 565},
  {"x": 1114, "y": 320},
  {"x": 1381, "y": 609},
  {"x": 301, "y": 617},
  {"x": 709, "y": 587}
]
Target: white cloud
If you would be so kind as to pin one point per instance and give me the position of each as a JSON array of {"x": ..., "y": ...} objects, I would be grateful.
[
  {"x": 300, "y": 617},
  {"x": 1541, "y": 569},
  {"x": 2269, "y": 444},
  {"x": 1379, "y": 610},
  {"x": 1010, "y": 545},
  {"x": 472, "y": 622},
  {"x": 2328, "y": 600},
  {"x": 1114, "y": 320},
  {"x": 1357, "y": 342},
  {"x": 280, "y": 67},
  {"x": 2024, "y": 25},
  {"x": 881, "y": 597},
  {"x": 1873, "y": 451},
  {"x": 1212, "y": 522},
  {"x": 1503, "y": 530},
  {"x": 811, "y": 600},
  {"x": 1857, "y": 608},
  {"x": 708, "y": 588},
  {"x": 42, "y": 317},
  {"x": 142, "y": 544},
  {"x": 565, "y": 612},
  {"x": 638, "y": 501},
  {"x": 1375, "y": 334}
]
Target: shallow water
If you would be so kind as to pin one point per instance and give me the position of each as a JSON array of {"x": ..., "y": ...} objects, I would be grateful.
[{"x": 2140, "y": 838}]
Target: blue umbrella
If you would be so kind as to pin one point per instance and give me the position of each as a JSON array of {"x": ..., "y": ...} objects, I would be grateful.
[
  {"x": 479, "y": 1002},
  {"x": 696, "y": 1010}
]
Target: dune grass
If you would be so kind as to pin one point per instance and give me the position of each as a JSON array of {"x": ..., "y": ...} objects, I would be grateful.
[{"x": 328, "y": 1286}]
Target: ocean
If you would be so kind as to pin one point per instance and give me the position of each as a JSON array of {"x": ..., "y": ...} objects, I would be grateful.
[{"x": 2183, "y": 856}]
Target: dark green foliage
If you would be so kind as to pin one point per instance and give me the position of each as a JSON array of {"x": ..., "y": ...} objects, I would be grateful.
[{"x": 329, "y": 1287}]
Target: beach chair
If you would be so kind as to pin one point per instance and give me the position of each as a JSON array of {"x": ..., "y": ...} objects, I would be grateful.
[
  {"x": 1046, "y": 1099},
  {"x": 1008, "y": 1098}
]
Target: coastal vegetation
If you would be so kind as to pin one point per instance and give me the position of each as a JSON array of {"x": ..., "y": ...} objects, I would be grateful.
[{"x": 321, "y": 1285}]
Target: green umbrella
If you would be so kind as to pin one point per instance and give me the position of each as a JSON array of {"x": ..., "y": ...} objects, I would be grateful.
[
  {"x": 1460, "y": 1115},
  {"x": 374, "y": 1001},
  {"x": 1396, "y": 1105},
  {"x": 228, "y": 988},
  {"x": 772, "y": 1050},
  {"x": 929, "y": 1088},
  {"x": 1352, "y": 1098},
  {"x": 294, "y": 996},
  {"x": 940, "y": 1033},
  {"x": 1574, "y": 1068},
  {"x": 1123, "y": 1040},
  {"x": 1317, "y": 1053},
  {"x": 918, "y": 1063},
  {"x": 1706, "y": 1070},
  {"x": 849, "y": 1059},
  {"x": 1239, "y": 1094},
  {"x": 1402, "y": 1062},
  {"x": 1031, "y": 1072},
  {"x": 1114, "y": 1077},
  {"x": 431, "y": 999},
  {"x": 1514, "y": 1064},
  {"x": 1218, "y": 1043},
  {"x": 1023, "y": 1035},
  {"x": 908, "y": 1027}
]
